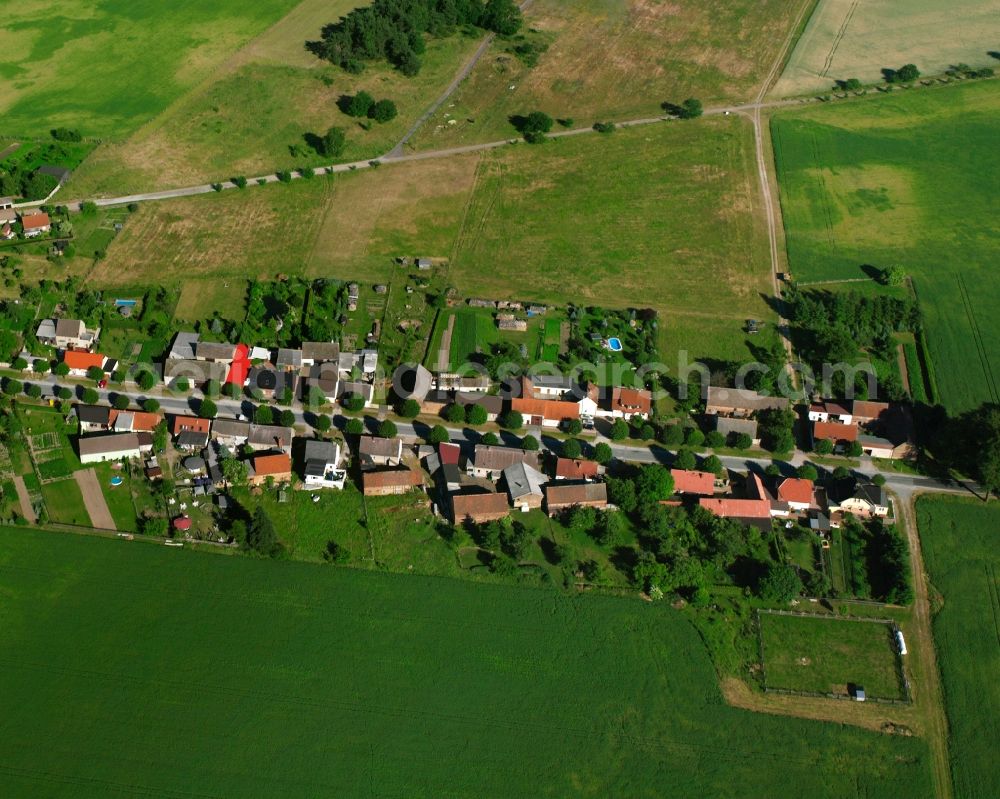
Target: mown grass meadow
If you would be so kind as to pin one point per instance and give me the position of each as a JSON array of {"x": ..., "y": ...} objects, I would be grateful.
[
  {"x": 184, "y": 673},
  {"x": 827, "y": 655},
  {"x": 959, "y": 546}
]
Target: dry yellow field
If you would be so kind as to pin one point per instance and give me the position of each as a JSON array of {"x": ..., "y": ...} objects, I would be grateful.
[
  {"x": 348, "y": 226},
  {"x": 859, "y": 38},
  {"x": 610, "y": 59}
]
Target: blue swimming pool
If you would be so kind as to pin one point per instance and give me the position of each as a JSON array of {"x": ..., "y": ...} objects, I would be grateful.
[
  {"x": 126, "y": 303},
  {"x": 615, "y": 344}
]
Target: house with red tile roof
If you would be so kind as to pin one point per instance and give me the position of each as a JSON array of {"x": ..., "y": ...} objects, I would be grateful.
[
  {"x": 624, "y": 403},
  {"x": 570, "y": 469},
  {"x": 836, "y": 432},
  {"x": 79, "y": 362},
  {"x": 190, "y": 423},
  {"x": 799, "y": 494},
  {"x": 753, "y": 512},
  {"x": 544, "y": 413},
  {"x": 478, "y": 508},
  {"x": 692, "y": 482},
  {"x": 35, "y": 223},
  {"x": 274, "y": 466}
]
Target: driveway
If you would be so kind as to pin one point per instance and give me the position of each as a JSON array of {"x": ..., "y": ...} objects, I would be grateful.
[
  {"x": 27, "y": 511},
  {"x": 93, "y": 499}
]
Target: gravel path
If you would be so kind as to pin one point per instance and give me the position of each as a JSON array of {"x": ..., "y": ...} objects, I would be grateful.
[
  {"x": 93, "y": 499},
  {"x": 27, "y": 511}
]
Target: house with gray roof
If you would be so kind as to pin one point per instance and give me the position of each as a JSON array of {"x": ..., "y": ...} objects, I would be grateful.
[
  {"x": 321, "y": 465},
  {"x": 524, "y": 485}
]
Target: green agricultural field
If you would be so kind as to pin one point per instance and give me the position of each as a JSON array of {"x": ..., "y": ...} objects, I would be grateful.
[
  {"x": 960, "y": 553},
  {"x": 905, "y": 179},
  {"x": 107, "y": 68},
  {"x": 826, "y": 654},
  {"x": 850, "y": 39},
  {"x": 276, "y": 679},
  {"x": 253, "y": 115}
]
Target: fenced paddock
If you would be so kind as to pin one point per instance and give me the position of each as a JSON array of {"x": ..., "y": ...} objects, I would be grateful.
[{"x": 816, "y": 655}]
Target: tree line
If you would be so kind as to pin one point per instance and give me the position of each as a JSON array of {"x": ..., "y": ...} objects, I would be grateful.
[{"x": 393, "y": 30}]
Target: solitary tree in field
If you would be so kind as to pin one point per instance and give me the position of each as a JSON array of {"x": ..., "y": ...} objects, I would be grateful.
[
  {"x": 894, "y": 275},
  {"x": 691, "y": 108},
  {"x": 535, "y": 125},
  {"x": 333, "y": 142}
]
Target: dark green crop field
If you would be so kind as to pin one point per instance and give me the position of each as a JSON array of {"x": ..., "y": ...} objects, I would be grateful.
[
  {"x": 137, "y": 670},
  {"x": 108, "y": 67},
  {"x": 906, "y": 179},
  {"x": 959, "y": 539}
]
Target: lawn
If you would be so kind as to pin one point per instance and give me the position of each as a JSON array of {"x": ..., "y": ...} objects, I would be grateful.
[
  {"x": 107, "y": 68},
  {"x": 119, "y": 498},
  {"x": 960, "y": 553},
  {"x": 667, "y": 217},
  {"x": 64, "y": 502},
  {"x": 615, "y": 60},
  {"x": 277, "y": 679},
  {"x": 252, "y": 116},
  {"x": 847, "y": 39},
  {"x": 905, "y": 179},
  {"x": 825, "y": 655}
]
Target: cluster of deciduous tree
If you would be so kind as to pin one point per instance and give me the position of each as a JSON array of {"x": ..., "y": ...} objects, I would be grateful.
[
  {"x": 683, "y": 551},
  {"x": 394, "y": 30},
  {"x": 363, "y": 104},
  {"x": 845, "y": 327}
]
